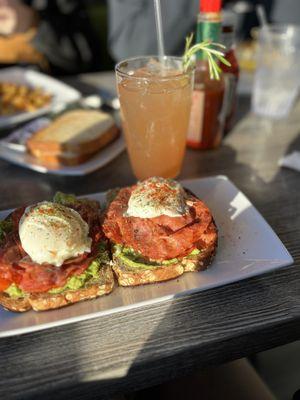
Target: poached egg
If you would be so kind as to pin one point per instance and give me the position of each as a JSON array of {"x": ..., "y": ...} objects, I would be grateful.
[
  {"x": 52, "y": 233},
  {"x": 156, "y": 196}
]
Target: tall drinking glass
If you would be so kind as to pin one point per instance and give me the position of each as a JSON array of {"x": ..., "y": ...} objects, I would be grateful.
[
  {"x": 155, "y": 100},
  {"x": 276, "y": 80}
]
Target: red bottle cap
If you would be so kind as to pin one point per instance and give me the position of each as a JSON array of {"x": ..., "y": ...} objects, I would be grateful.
[{"x": 210, "y": 5}]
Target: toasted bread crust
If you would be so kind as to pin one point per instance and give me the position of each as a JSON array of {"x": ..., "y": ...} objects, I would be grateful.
[
  {"x": 47, "y": 301},
  {"x": 18, "y": 305},
  {"x": 128, "y": 277},
  {"x": 56, "y": 161}
]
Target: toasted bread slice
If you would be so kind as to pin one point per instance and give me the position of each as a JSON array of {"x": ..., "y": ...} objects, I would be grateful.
[
  {"x": 77, "y": 132},
  {"x": 128, "y": 277},
  {"x": 56, "y": 161},
  {"x": 69, "y": 158},
  {"x": 133, "y": 277},
  {"x": 47, "y": 301}
]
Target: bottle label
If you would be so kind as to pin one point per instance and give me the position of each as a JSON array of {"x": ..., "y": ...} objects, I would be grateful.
[
  {"x": 196, "y": 118},
  {"x": 207, "y": 31}
]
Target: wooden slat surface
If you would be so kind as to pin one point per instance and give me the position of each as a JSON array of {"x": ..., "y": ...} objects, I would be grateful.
[{"x": 135, "y": 349}]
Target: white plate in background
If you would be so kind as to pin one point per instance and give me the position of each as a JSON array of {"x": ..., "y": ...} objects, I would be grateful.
[
  {"x": 247, "y": 247},
  {"x": 99, "y": 160},
  {"x": 62, "y": 93}
]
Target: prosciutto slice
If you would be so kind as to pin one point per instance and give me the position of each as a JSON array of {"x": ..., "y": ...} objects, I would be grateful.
[{"x": 162, "y": 237}]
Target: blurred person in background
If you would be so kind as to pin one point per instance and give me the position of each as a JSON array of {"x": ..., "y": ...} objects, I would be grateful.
[
  {"x": 287, "y": 11},
  {"x": 18, "y": 24},
  {"x": 56, "y": 35},
  {"x": 132, "y": 26},
  {"x": 132, "y": 22}
]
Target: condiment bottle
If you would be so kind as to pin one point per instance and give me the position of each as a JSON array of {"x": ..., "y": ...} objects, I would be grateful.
[
  {"x": 231, "y": 74},
  {"x": 207, "y": 117}
]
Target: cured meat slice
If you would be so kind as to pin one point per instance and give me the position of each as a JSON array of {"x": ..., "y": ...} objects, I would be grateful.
[
  {"x": 41, "y": 278},
  {"x": 162, "y": 237}
]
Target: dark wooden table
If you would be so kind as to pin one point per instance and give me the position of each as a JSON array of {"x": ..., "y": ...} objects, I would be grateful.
[{"x": 143, "y": 347}]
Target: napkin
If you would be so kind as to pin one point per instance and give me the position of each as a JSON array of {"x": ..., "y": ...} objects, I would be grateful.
[{"x": 291, "y": 160}]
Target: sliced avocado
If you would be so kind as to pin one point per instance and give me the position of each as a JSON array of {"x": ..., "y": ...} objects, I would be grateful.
[
  {"x": 14, "y": 291},
  {"x": 194, "y": 252},
  {"x": 134, "y": 260},
  {"x": 88, "y": 276},
  {"x": 73, "y": 283}
]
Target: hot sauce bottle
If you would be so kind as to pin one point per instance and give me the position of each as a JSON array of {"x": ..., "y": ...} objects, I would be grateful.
[
  {"x": 231, "y": 73},
  {"x": 207, "y": 116}
]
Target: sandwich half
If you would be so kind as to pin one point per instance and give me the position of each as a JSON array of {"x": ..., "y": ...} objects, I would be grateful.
[
  {"x": 73, "y": 137},
  {"x": 158, "y": 231},
  {"x": 53, "y": 254}
]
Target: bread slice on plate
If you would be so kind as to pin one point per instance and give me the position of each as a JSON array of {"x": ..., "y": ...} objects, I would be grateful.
[
  {"x": 48, "y": 301},
  {"x": 73, "y": 137}
]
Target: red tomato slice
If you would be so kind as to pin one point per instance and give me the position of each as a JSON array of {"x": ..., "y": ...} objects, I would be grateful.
[{"x": 4, "y": 283}]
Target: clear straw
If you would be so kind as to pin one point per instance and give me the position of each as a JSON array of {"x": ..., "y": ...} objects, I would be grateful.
[
  {"x": 159, "y": 31},
  {"x": 262, "y": 18},
  {"x": 261, "y": 14}
]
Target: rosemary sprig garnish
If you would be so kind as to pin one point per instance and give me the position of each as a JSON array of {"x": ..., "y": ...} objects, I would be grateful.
[{"x": 213, "y": 55}]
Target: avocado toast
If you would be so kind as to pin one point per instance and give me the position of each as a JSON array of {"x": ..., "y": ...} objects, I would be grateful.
[
  {"x": 158, "y": 231},
  {"x": 57, "y": 253},
  {"x": 25, "y": 283}
]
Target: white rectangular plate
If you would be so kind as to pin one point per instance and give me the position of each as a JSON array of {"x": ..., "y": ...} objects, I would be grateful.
[
  {"x": 103, "y": 157},
  {"x": 247, "y": 247},
  {"x": 62, "y": 93}
]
